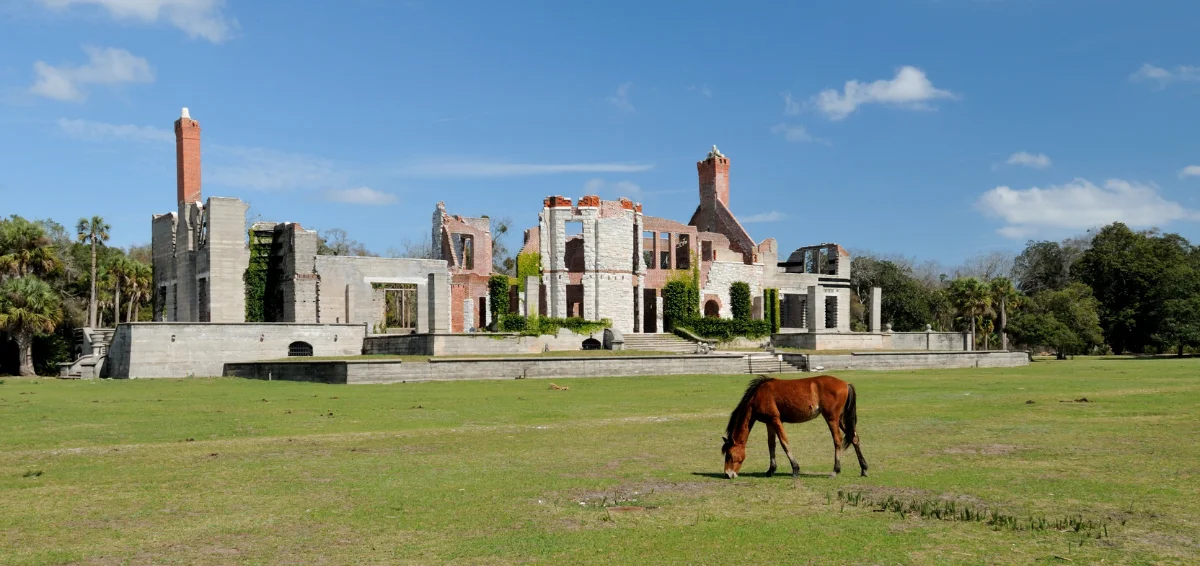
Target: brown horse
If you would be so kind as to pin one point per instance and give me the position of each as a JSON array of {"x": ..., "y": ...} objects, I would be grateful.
[{"x": 777, "y": 401}]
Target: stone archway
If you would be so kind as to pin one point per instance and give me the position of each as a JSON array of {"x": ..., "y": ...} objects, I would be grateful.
[{"x": 712, "y": 309}]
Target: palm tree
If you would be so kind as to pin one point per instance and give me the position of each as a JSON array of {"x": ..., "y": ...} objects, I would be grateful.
[
  {"x": 138, "y": 284},
  {"x": 28, "y": 306},
  {"x": 121, "y": 270},
  {"x": 25, "y": 249},
  {"x": 92, "y": 231},
  {"x": 972, "y": 299},
  {"x": 1006, "y": 295}
]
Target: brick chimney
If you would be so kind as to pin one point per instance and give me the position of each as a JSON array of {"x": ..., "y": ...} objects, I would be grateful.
[
  {"x": 187, "y": 158},
  {"x": 714, "y": 178}
]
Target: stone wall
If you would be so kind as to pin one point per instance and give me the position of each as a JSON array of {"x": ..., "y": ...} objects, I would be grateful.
[
  {"x": 165, "y": 349},
  {"x": 227, "y": 257},
  {"x": 495, "y": 368},
  {"x": 722, "y": 275},
  {"x": 931, "y": 341},
  {"x": 347, "y": 294},
  {"x": 475, "y": 344}
]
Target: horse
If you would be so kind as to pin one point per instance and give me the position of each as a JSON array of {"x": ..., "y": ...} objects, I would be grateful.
[{"x": 777, "y": 401}]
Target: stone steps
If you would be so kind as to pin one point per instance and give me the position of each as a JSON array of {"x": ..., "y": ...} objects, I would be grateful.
[
  {"x": 769, "y": 364},
  {"x": 659, "y": 343}
]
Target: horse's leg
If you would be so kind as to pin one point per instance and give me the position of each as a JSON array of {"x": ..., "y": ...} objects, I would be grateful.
[
  {"x": 837, "y": 444},
  {"x": 862, "y": 462},
  {"x": 771, "y": 449},
  {"x": 777, "y": 426}
]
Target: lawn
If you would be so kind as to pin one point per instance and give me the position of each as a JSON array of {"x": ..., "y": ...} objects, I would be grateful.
[{"x": 614, "y": 470}]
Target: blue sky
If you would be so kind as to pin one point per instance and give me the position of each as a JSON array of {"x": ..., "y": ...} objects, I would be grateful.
[{"x": 935, "y": 129}]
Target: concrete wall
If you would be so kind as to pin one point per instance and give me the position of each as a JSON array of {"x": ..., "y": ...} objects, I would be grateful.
[
  {"x": 909, "y": 360},
  {"x": 347, "y": 294},
  {"x": 495, "y": 368},
  {"x": 480, "y": 344},
  {"x": 226, "y": 257},
  {"x": 931, "y": 341},
  {"x": 163, "y": 349}
]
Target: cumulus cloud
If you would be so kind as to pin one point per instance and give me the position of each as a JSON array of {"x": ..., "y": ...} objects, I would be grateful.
[
  {"x": 792, "y": 133},
  {"x": 1190, "y": 171},
  {"x": 791, "y": 106},
  {"x": 491, "y": 169},
  {"x": 100, "y": 131},
  {"x": 773, "y": 216},
  {"x": 197, "y": 18},
  {"x": 620, "y": 99},
  {"x": 1079, "y": 205},
  {"x": 1162, "y": 76},
  {"x": 270, "y": 170},
  {"x": 361, "y": 195},
  {"x": 910, "y": 88},
  {"x": 1026, "y": 159},
  {"x": 105, "y": 66},
  {"x": 612, "y": 189}
]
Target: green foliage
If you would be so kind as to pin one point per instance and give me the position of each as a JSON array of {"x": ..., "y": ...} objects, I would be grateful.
[
  {"x": 680, "y": 302},
  {"x": 907, "y": 305},
  {"x": 739, "y": 300},
  {"x": 256, "y": 278},
  {"x": 771, "y": 312},
  {"x": 546, "y": 325},
  {"x": 49, "y": 350},
  {"x": 1065, "y": 320},
  {"x": 25, "y": 249},
  {"x": 971, "y": 298},
  {"x": 498, "y": 295},
  {"x": 1045, "y": 265},
  {"x": 1180, "y": 325},
  {"x": 725, "y": 329},
  {"x": 528, "y": 264},
  {"x": 28, "y": 307}
]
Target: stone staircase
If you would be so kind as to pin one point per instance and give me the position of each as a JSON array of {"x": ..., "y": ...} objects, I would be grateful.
[
  {"x": 94, "y": 343},
  {"x": 659, "y": 343},
  {"x": 766, "y": 363}
]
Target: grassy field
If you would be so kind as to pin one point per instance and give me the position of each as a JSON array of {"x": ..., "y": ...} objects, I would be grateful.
[{"x": 617, "y": 470}]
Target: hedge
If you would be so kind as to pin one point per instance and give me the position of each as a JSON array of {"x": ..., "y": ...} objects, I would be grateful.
[
  {"x": 547, "y": 325},
  {"x": 722, "y": 329},
  {"x": 771, "y": 308},
  {"x": 498, "y": 295},
  {"x": 739, "y": 300}
]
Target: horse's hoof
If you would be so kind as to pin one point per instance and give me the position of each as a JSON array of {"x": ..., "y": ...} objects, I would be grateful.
[
  {"x": 770, "y": 473},
  {"x": 864, "y": 473}
]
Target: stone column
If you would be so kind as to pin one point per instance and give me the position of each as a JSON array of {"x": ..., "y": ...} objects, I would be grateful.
[
  {"x": 816, "y": 308},
  {"x": 876, "y": 305},
  {"x": 438, "y": 304},
  {"x": 532, "y": 288}
]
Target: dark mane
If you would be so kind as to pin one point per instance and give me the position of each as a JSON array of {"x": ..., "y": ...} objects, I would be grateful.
[{"x": 739, "y": 413}]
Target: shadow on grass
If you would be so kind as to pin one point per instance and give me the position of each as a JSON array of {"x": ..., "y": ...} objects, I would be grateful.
[
  {"x": 1140, "y": 357},
  {"x": 778, "y": 474}
]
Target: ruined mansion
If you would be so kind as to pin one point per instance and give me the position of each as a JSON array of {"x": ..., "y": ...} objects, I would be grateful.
[{"x": 599, "y": 259}]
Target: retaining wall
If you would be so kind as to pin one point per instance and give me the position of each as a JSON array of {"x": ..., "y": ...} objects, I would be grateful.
[
  {"x": 473, "y": 344},
  {"x": 930, "y": 341},
  {"x": 393, "y": 371},
  {"x": 181, "y": 349},
  {"x": 909, "y": 360}
]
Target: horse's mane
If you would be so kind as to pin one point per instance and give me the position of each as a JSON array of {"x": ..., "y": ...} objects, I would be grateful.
[{"x": 739, "y": 413}]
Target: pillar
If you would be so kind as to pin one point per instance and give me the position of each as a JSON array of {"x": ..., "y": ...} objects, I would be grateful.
[
  {"x": 876, "y": 309},
  {"x": 816, "y": 308},
  {"x": 532, "y": 288}
]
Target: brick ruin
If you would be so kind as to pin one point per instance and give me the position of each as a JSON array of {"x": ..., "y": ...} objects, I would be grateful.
[{"x": 607, "y": 259}]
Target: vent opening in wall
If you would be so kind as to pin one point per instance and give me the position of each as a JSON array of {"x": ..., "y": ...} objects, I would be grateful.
[{"x": 300, "y": 349}]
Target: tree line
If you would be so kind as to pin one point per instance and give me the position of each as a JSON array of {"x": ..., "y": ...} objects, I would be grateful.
[{"x": 1113, "y": 290}]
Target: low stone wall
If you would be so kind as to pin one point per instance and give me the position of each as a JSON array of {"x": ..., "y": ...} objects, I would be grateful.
[
  {"x": 184, "y": 349},
  {"x": 393, "y": 371},
  {"x": 909, "y": 360},
  {"x": 472, "y": 344},
  {"x": 929, "y": 341}
]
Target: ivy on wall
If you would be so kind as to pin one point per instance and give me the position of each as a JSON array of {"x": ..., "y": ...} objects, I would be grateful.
[
  {"x": 739, "y": 299},
  {"x": 529, "y": 264},
  {"x": 256, "y": 278}
]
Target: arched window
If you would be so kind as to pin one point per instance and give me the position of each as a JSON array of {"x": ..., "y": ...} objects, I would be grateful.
[
  {"x": 300, "y": 349},
  {"x": 712, "y": 309},
  {"x": 591, "y": 344}
]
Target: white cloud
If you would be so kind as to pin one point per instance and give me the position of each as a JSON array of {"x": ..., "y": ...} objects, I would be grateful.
[
  {"x": 617, "y": 189},
  {"x": 1162, "y": 76},
  {"x": 1080, "y": 205},
  {"x": 361, "y": 195},
  {"x": 621, "y": 98},
  {"x": 197, "y": 18},
  {"x": 484, "y": 169},
  {"x": 791, "y": 106},
  {"x": 1026, "y": 159},
  {"x": 909, "y": 89},
  {"x": 773, "y": 216},
  {"x": 702, "y": 89},
  {"x": 792, "y": 133},
  {"x": 1190, "y": 171},
  {"x": 106, "y": 66},
  {"x": 270, "y": 170},
  {"x": 100, "y": 131}
]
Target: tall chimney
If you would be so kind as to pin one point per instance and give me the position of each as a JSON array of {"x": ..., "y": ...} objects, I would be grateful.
[
  {"x": 714, "y": 177},
  {"x": 187, "y": 158}
]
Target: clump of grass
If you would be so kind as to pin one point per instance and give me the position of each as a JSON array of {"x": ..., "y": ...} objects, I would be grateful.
[
  {"x": 32, "y": 474},
  {"x": 945, "y": 510}
]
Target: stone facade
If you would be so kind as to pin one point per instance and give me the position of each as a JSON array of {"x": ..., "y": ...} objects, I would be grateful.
[{"x": 465, "y": 245}]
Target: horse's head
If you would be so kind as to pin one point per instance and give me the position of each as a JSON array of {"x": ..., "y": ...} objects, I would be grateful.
[{"x": 734, "y": 456}]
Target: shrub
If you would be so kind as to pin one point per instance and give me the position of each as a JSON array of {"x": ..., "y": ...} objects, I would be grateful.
[
  {"x": 678, "y": 304},
  {"x": 528, "y": 264},
  {"x": 771, "y": 308},
  {"x": 739, "y": 300},
  {"x": 498, "y": 295}
]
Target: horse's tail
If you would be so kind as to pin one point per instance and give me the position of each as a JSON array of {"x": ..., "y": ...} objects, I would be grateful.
[{"x": 849, "y": 417}]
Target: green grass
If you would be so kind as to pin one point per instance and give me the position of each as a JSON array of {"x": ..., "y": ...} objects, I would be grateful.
[{"x": 614, "y": 470}]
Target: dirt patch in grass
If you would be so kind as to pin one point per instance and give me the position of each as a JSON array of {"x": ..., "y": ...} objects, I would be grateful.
[
  {"x": 983, "y": 449},
  {"x": 629, "y": 493}
]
